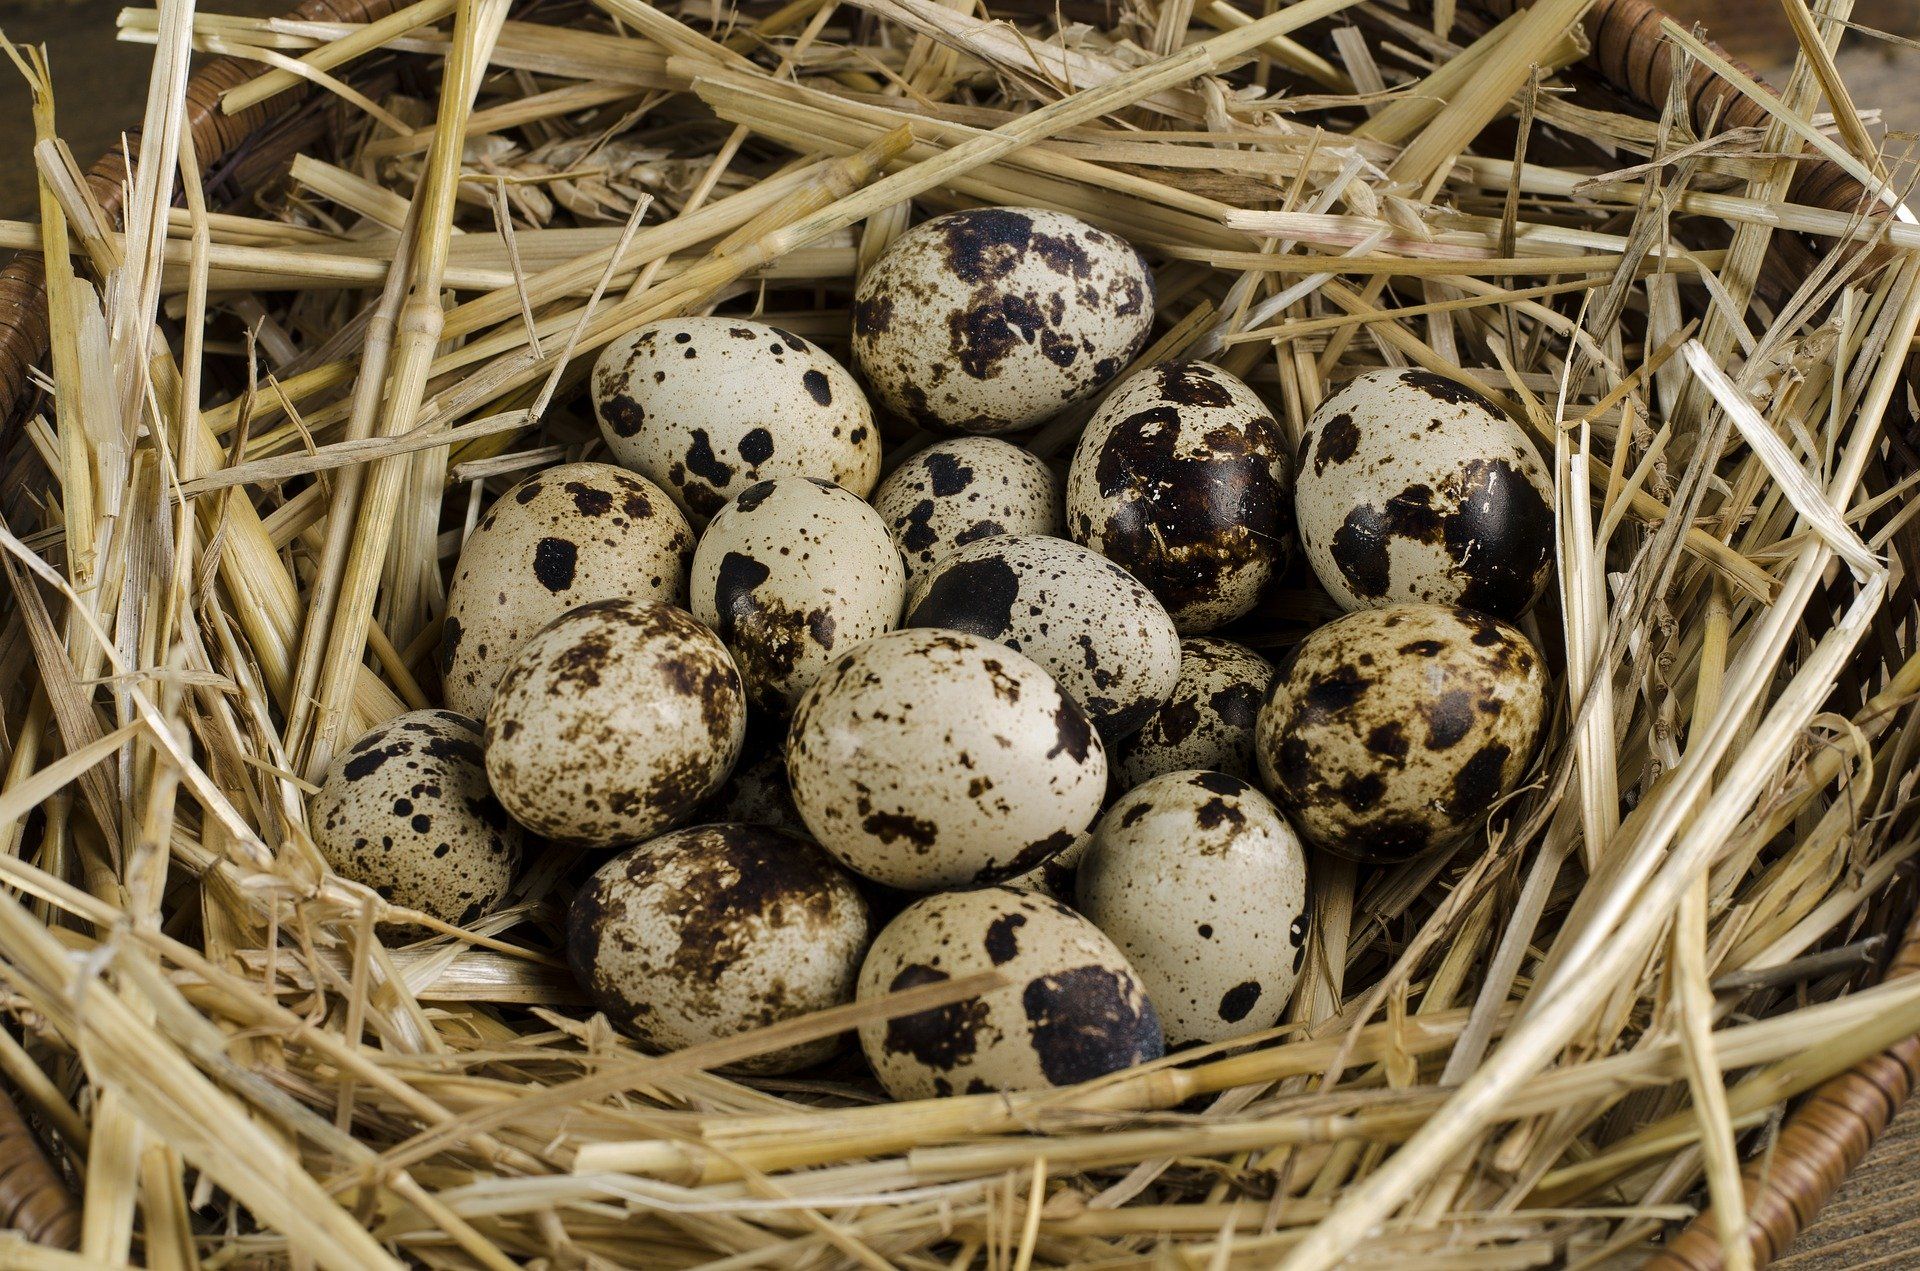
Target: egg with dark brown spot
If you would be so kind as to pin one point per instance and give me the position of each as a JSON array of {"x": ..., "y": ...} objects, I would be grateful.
[
  {"x": 962, "y": 490},
  {"x": 1072, "y": 1010},
  {"x": 791, "y": 573},
  {"x": 406, "y": 810},
  {"x": 926, "y": 759},
  {"x": 993, "y": 319},
  {"x": 708, "y": 406},
  {"x": 757, "y": 792},
  {"x": 1097, "y": 631},
  {"x": 712, "y": 931},
  {"x": 1396, "y": 731},
  {"x": 1200, "y": 881},
  {"x": 1182, "y": 477},
  {"x": 1207, "y": 721},
  {"x": 1415, "y": 488},
  {"x": 614, "y": 723},
  {"x": 566, "y": 536}
]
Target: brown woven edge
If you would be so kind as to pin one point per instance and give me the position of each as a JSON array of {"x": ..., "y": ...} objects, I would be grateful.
[{"x": 1822, "y": 1141}]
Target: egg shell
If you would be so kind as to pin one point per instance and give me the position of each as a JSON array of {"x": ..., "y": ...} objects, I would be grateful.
[
  {"x": 560, "y": 539},
  {"x": 406, "y": 810},
  {"x": 1394, "y": 731},
  {"x": 1415, "y": 488},
  {"x": 708, "y": 406},
  {"x": 1096, "y": 630},
  {"x": 614, "y": 723},
  {"x": 1182, "y": 478},
  {"x": 790, "y": 573},
  {"x": 993, "y": 319},
  {"x": 1203, "y": 885},
  {"x": 713, "y": 930},
  {"x": 1208, "y": 720},
  {"x": 927, "y": 759},
  {"x": 1073, "y": 1010},
  {"x": 958, "y": 491},
  {"x": 756, "y": 792}
]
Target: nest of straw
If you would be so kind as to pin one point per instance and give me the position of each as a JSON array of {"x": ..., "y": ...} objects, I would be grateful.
[{"x": 272, "y": 409}]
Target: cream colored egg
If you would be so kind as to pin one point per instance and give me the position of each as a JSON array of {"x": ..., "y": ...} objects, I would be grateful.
[
  {"x": 560, "y": 539},
  {"x": 708, "y": 406},
  {"x": 406, "y": 810},
  {"x": 926, "y": 759},
  {"x": 1394, "y": 731},
  {"x": 791, "y": 573},
  {"x": 614, "y": 723},
  {"x": 1182, "y": 479},
  {"x": 708, "y": 932},
  {"x": 1207, "y": 722},
  {"x": 994, "y": 318},
  {"x": 1100, "y": 634},
  {"x": 1203, "y": 885},
  {"x": 1415, "y": 488},
  {"x": 1073, "y": 1009},
  {"x": 958, "y": 491}
]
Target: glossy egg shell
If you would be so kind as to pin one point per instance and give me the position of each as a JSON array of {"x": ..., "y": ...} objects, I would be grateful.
[
  {"x": 705, "y": 407},
  {"x": 1203, "y": 885},
  {"x": 561, "y": 538},
  {"x": 1073, "y": 1009},
  {"x": 790, "y": 573},
  {"x": 1393, "y": 731},
  {"x": 1182, "y": 478},
  {"x": 926, "y": 759},
  {"x": 992, "y": 319},
  {"x": 961, "y": 490},
  {"x": 614, "y": 723},
  {"x": 1208, "y": 720},
  {"x": 1414, "y": 488},
  {"x": 406, "y": 810},
  {"x": 713, "y": 930},
  {"x": 1097, "y": 631}
]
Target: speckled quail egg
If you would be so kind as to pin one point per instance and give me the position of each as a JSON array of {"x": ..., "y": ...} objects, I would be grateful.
[
  {"x": 406, "y": 811},
  {"x": 708, "y": 406},
  {"x": 1395, "y": 730},
  {"x": 1090, "y": 623},
  {"x": 926, "y": 759},
  {"x": 1208, "y": 720},
  {"x": 1203, "y": 885},
  {"x": 1072, "y": 1010},
  {"x": 710, "y": 931},
  {"x": 756, "y": 791},
  {"x": 1414, "y": 488},
  {"x": 790, "y": 573},
  {"x": 572, "y": 534},
  {"x": 1182, "y": 478},
  {"x": 992, "y": 319},
  {"x": 614, "y": 723},
  {"x": 968, "y": 488}
]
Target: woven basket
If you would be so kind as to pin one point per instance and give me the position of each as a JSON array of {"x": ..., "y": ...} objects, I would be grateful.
[{"x": 1827, "y": 1133}]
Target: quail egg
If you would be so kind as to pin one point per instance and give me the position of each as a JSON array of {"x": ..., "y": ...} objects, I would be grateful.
[
  {"x": 993, "y": 319},
  {"x": 756, "y": 791},
  {"x": 1091, "y": 624},
  {"x": 708, "y": 406},
  {"x": 572, "y": 534},
  {"x": 714, "y": 930},
  {"x": 1414, "y": 488},
  {"x": 1396, "y": 730},
  {"x": 1182, "y": 478},
  {"x": 1208, "y": 720},
  {"x": 614, "y": 723},
  {"x": 406, "y": 811},
  {"x": 791, "y": 572},
  {"x": 926, "y": 759},
  {"x": 968, "y": 488},
  {"x": 1072, "y": 1010},
  {"x": 1202, "y": 883}
]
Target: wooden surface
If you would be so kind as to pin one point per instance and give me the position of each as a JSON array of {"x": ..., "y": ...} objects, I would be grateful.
[{"x": 1874, "y": 1220}]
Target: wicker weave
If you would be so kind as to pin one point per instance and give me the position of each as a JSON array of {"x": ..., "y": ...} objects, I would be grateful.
[{"x": 1828, "y": 1133}]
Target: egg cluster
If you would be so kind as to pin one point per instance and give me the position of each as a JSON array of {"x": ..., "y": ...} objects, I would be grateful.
[{"x": 780, "y": 691}]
